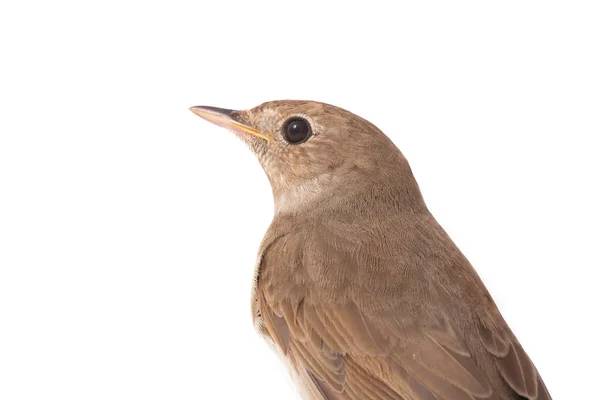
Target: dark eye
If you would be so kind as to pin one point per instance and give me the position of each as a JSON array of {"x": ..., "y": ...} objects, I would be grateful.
[{"x": 296, "y": 130}]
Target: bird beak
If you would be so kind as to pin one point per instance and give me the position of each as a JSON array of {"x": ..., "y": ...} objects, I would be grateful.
[{"x": 228, "y": 119}]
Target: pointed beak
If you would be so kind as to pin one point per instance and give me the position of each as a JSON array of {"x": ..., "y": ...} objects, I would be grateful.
[{"x": 228, "y": 119}]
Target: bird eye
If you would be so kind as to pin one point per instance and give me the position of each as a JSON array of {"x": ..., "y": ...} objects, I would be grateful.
[{"x": 296, "y": 130}]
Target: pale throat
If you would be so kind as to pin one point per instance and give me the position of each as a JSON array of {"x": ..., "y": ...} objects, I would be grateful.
[{"x": 304, "y": 194}]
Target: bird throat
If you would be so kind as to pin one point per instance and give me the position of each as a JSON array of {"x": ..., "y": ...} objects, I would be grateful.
[
  {"x": 305, "y": 194},
  {"x": 330, "y": 191}
]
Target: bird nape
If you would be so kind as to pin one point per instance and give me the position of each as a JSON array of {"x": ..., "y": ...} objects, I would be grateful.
[{"x": 357, "y": 285}]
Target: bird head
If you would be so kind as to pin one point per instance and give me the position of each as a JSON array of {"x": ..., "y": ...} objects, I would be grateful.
[{"x": 317, "y": 153}]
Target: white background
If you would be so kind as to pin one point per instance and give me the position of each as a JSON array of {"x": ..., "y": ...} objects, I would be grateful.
[{"x": 129, "y": 226}]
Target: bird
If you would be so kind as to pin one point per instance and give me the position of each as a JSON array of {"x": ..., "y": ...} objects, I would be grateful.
[{"x": 356, "y": 285}]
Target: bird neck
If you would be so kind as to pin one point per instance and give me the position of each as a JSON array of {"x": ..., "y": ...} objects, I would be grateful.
[
  {"x": 305, "y": 194},
  {"x": 352, "y": 190}
]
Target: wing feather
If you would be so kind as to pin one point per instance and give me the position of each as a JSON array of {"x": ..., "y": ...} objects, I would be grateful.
[{"x": 353, "y": 345}]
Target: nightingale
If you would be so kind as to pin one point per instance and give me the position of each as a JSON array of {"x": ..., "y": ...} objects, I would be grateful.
[{"x": 356, "y": 285}]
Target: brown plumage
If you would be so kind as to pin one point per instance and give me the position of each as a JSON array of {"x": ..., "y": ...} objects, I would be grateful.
[{"x": 356, "y": 283}]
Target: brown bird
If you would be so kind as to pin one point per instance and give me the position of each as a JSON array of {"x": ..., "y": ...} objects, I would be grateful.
[{"x": 356, "y": 284}]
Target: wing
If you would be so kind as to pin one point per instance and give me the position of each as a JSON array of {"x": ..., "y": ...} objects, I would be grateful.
[
  {"x": 347, "y": 355},
  {"x": 349, "y": 324}
]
